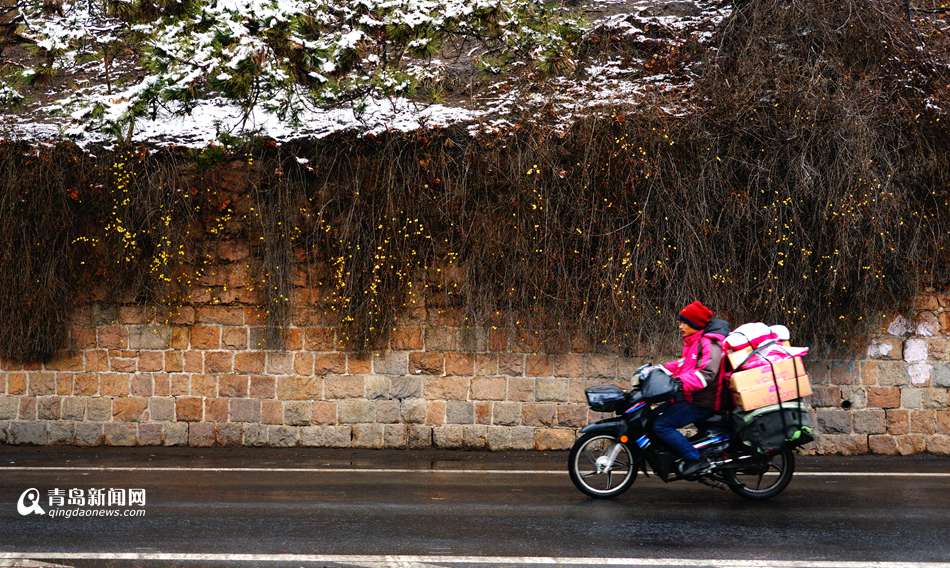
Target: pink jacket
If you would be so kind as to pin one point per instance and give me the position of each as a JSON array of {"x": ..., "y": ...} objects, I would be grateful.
[{"x": 699, "y": 369}]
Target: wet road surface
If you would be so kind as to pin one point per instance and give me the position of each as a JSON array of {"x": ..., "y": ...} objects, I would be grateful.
[{"x": 297, "y": 507}]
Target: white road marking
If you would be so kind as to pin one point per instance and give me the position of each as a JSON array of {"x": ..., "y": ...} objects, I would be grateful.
[
  {"x": 407, "y": 560},
  {"x": 418, "y": 470}
]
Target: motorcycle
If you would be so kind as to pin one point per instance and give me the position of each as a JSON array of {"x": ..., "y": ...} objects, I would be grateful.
[{"x": 744, "y": 456}]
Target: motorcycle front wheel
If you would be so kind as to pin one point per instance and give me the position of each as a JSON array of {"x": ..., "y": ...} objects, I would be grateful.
[
  {"x": 586, "y": 465},
  {"x": 765, "y": 478}
]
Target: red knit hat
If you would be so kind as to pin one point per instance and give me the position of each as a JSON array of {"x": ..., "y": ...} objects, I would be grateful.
[{"x": 696, "y": 315}]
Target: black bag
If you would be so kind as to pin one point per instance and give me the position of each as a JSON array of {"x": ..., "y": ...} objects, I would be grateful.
[
  {"x": 774, "y": 427},
  {"x": 658, "y": 384}
]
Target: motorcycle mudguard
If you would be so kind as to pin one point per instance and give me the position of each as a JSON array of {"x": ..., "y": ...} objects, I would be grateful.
[{"x": 616, "y": 426}]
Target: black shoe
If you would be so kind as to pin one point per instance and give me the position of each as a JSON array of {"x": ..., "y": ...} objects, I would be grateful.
[{"x": 693, "y": 469}]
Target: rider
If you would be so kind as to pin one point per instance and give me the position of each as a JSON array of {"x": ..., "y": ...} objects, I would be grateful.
[{"x": 698, "y": 372}]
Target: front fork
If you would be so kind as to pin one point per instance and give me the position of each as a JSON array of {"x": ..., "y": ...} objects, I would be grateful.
[{"x": 605, "y": 463}]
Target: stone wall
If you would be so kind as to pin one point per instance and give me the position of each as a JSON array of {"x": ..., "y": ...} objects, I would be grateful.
[
  {"x": 895, "y": 400},
  {"x": 203, "y": 379}
]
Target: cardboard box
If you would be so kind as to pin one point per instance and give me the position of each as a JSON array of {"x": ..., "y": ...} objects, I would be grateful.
[
  {"x": 736, "y": 358},
  {"x": 758, "y": 377},
  {"x": 757, "y": 398}
]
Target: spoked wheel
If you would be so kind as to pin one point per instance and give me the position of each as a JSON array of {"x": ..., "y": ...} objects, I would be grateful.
[
  {"x": 588, "y": 461},
  {"x": 765, "y": 478}
]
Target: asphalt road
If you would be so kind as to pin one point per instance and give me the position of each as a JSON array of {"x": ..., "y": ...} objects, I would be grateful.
[{"x": 299, "y": 507}]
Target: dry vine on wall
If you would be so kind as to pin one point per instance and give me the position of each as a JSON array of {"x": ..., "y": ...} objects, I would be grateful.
[{"x": 807, "y": 184}]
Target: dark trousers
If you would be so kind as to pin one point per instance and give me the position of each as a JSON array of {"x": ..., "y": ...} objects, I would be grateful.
[{"x": 676, "y": 416}]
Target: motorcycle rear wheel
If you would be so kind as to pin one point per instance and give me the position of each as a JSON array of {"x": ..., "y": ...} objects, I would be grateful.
[
  {"x": 776, "y": 470},
  {"x": 582, "y": 466}
]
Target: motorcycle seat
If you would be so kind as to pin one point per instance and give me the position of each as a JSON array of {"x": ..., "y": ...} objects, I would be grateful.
[{"x": 714, "y": 420}]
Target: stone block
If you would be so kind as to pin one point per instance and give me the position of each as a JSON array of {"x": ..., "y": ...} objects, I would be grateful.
[
  {"x": 884, "y": 397},
  {"x": 356, "y": 411},
  {"x": 553, "y": 438},
  {"x": 448, "y": 436},
  {"x": 228, "y": 435},
  {"x": 149, "y": 336},
  {"x": 330, "y": 364},
  {"x": 74, "y": 408},
  {"x": 377, "y": 387},
  {"x": 447, "y": 388},
  {"x": 912, "y": 397},
  {"x": 204, "y": 385},
  {"x": 919, "y": 373},
  {"x": 298, "y": 412},
  {"x": 521, "y": 389},
  {"x": 915, "y": 350},
  {"x": 234, "y": 338},
  {"x": 438, "y": 338},
  {"x": 233, "y": 386},
  {"x": 368, "y": 435},
  {"x": 419, "y": 436},
  {"x": 324, "y": 412},
  {"x": 459, "y": 364},
  {"x": 88, "y": 434},
  {"x": 299, "y": 388},
  {"x": 403, "y": 387},
  {"x": 245, "y": 410},
  {"x": 941, "y": 375},
  {"x": 337, "y": 387},
  {"x": 506, "y": 413},
  {"x": 325, "y": 436},
  {"x": 890, "y": 348},
  {"x": 9, "y": 406},
  {"x": 459, "y": 412},
  {"x": 279, "y": 363},
  {"x": 176, "y": 434},
  {"x": 413, "y": 411},
  {"x": 834, "y": 421},
  {"x": 359, "y": 364},
  {"x": 60, "y": 432},
  {"x": 42, "y": 384},
  {"x": 206, "y": 337},
  {"x": 489, "y": 388},
  {"x": 552, "y": 389},
  {"x": 395, "y": 436},
  {"x": 426, "y": 363},
  {"x": 898, "y": 421},
  {"x": 272, "y": 412},
  {"x": 142, "y": 385},
  {"x": 871, "y": 421},
  {"x": 188, "y": 409},
  {"x": 387, "y": 411},
  {"x": 499, "y": 438},
  {"x": 539, "y": 414},
  {"x": 99, "y": 409},
  {"x": 406, "y": 338},
  {"x": 249, "y": 362},
  {"x": 475, "y": 437},
  {"x": 923, "y": 422},
  {"x": 255, "y": 435},
  {"x": 129, "y": 409},
  {"x": 843, "y": 444},
  {"x": 150, "y": 434},
  {"x": 262, "y": 387},
  {"x": 522, "y": 438},
  {"x": 120, "y": 434},
  {"x": 391, "y": 363},
  {"x": 883, "y": 445},
  {"x": 201, "y": 434},
  {"x": 511, "y": 364},
  {"x": 572, "y": 415},
  {"x": 938, "y": 444},
  {"x": 281, "y": 436},
  {"x": 219, "y": 362}
]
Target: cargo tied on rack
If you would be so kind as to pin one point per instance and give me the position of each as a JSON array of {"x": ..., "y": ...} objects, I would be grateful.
[{"x": 768, "y": 381}]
